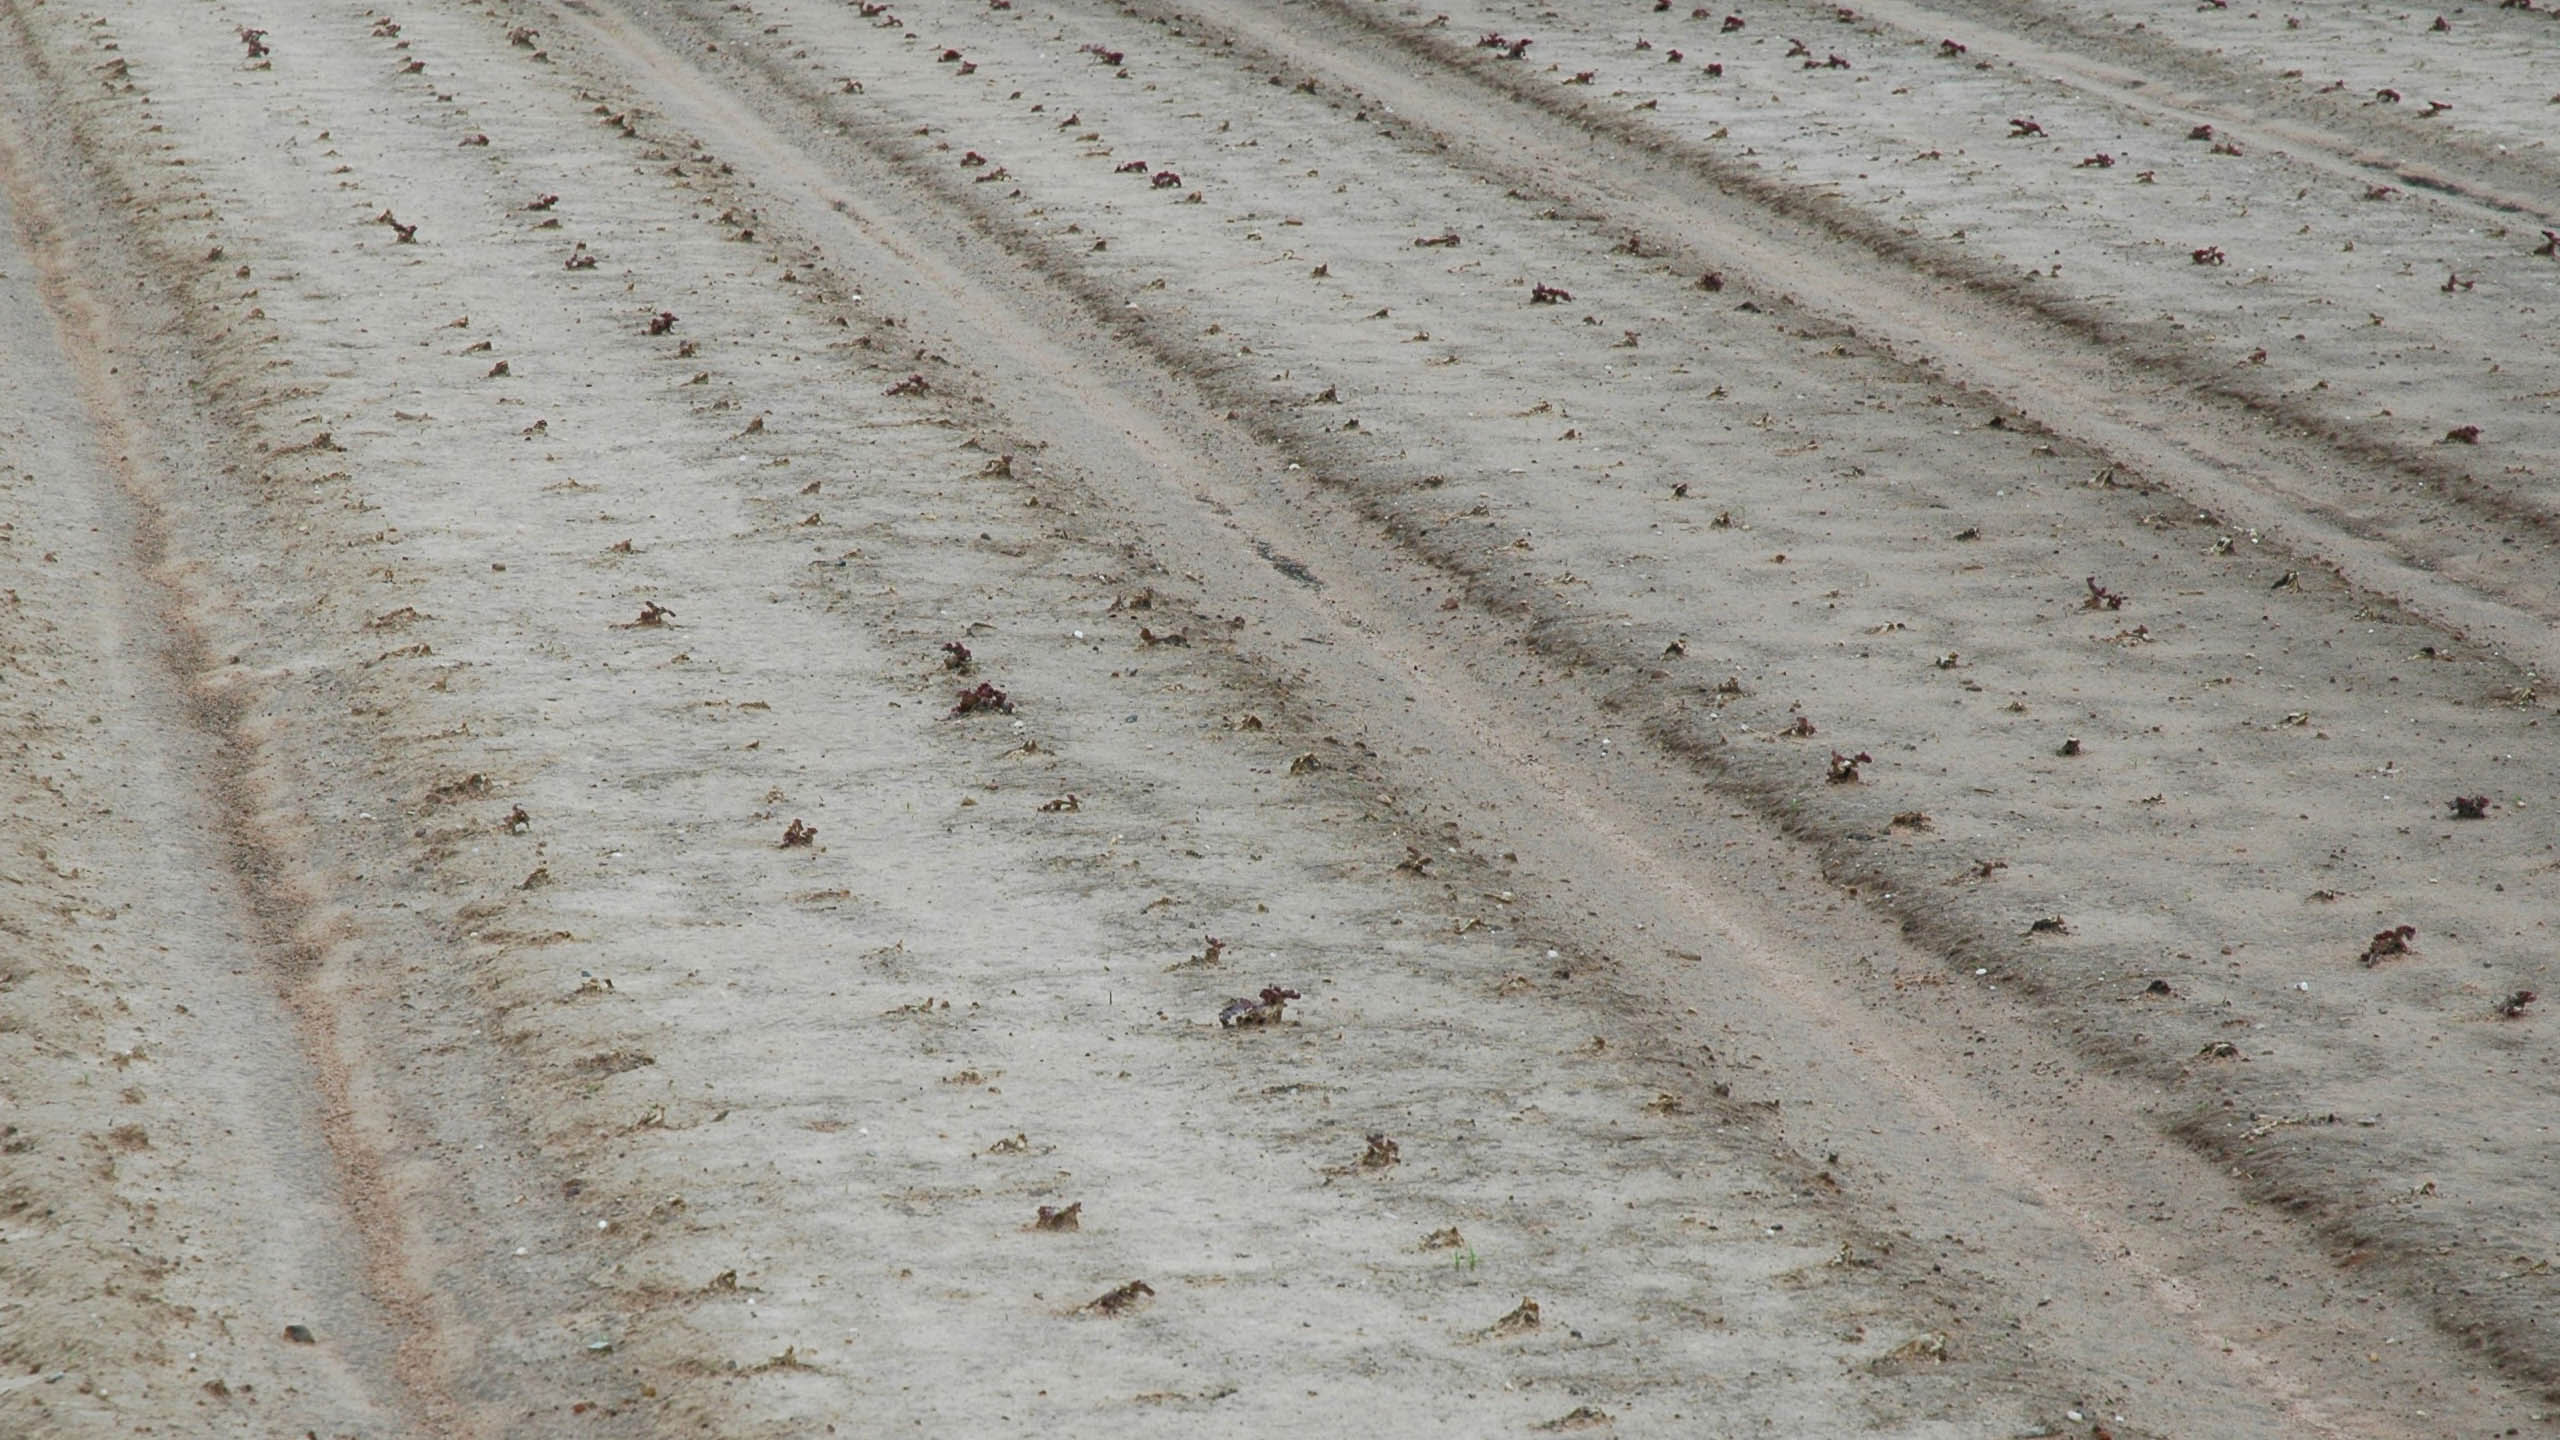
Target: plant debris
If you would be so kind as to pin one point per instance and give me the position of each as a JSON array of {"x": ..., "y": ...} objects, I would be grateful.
[
  {"x": 1522, "y": 1319},
  {"x": 1931, "y": 1347},
  {"x": 2387, "y": 943},
  {"x": 1119, "y": 1301},
  {"x": 1239, "y": 1014},
  {"x": 985, "y": 697}
]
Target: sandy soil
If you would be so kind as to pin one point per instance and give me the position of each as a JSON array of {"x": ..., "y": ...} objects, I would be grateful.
[{"x": 677, "y": 675}]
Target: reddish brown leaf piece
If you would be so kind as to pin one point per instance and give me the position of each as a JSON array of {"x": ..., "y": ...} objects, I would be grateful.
[
  {"x": 985, "y": 697},
  {"x": 2387, "y": 943},
  {"x": 1268, "y": 1010}
]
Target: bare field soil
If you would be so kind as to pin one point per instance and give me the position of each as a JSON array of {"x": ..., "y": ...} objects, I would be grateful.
[{"x": 1001, "y": 717}]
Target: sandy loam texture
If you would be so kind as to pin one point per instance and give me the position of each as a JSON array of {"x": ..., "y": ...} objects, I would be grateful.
[{"x": 1274, "y": 717}]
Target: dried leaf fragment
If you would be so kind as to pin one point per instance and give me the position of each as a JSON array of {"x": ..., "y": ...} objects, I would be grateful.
[
  {"x": 1118, "y": 1301},
  {"x": 1268, "y": 1010},
  {"x": 2387, "y": 943},
  {"x": 1522, "y": 1319}
]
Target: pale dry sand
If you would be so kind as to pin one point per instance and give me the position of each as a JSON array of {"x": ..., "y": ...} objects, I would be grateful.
[{"x": 1819, "y": 675}]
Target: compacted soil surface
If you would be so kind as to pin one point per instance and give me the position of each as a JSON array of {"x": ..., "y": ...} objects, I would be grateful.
[{"x": 1278, "y": 717}]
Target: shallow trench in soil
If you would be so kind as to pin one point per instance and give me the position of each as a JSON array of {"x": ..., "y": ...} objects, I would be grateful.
[{"x": 1071, "y": 718}]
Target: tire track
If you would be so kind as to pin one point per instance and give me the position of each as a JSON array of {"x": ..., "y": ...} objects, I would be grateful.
[
  {"x": 413, "y": 1108},
  {"x": 741, "y": 585},
  {"x": 738, "y": 129},
  {"x": 2374, "y": 512},
  {"x": 2349, "y": 137},
  {"x": 247, "y": 806},
  {"x": 1127, "y": 402}
]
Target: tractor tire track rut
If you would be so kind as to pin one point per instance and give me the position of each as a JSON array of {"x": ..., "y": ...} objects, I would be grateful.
[
  {"x": 723, "y": 127},
  {"x": 1176, "y": 375}
]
